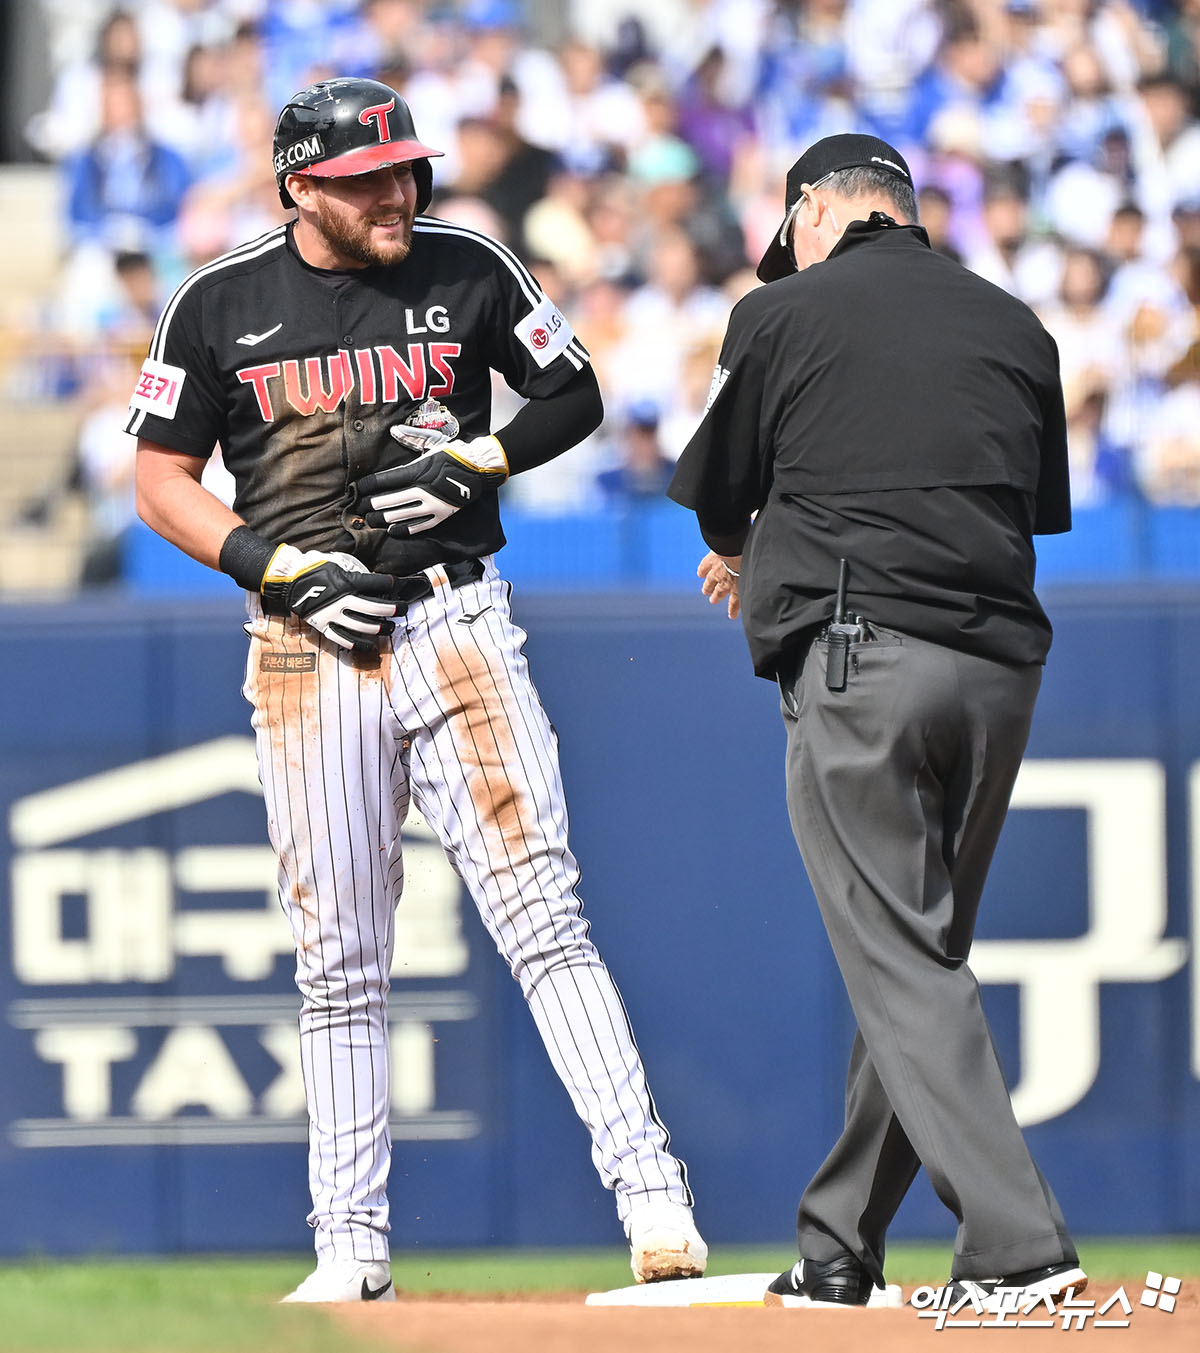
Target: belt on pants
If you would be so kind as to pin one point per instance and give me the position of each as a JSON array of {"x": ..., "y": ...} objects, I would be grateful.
[{"x": 414, "y": 587}]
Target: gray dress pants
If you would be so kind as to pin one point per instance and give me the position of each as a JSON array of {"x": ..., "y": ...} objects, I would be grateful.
[{"x": 898, "y": 786}]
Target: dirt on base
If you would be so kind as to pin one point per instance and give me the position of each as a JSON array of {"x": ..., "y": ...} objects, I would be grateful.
[{"x": 561, "y": 1323}]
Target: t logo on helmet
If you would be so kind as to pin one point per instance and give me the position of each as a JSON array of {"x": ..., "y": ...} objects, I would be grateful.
[{"x": 379, "y": 115}]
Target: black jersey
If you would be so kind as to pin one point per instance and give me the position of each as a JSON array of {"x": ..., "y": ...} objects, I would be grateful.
[
  {"x": 888, "y": 407},
  {"x": 299, "y": 373}
]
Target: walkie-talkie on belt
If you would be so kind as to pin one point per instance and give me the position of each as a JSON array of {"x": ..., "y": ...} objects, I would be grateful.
[{"x": 840, "y": 633}]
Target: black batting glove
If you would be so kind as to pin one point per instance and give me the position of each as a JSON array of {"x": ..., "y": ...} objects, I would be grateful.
[
  {"x": 334, "y": 593},
  {"x": 447, "y": 476}
]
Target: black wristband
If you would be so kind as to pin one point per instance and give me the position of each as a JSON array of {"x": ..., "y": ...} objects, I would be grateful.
[{"x": 245, "y": 556}]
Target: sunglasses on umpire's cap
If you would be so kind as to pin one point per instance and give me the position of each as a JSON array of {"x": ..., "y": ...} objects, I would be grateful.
[{"x": 827, "y": 156}]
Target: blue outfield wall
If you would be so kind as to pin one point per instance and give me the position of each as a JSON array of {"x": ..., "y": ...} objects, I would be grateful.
[
  {"x": 655, "y": 545},
  {"x": 147, "y": 1014}
]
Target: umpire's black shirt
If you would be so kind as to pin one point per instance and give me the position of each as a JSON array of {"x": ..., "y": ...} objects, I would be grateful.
[{"x": 889, "y": 407}]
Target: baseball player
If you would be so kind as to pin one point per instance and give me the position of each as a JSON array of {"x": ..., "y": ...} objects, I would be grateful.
[{"x": 342, "y": 363}]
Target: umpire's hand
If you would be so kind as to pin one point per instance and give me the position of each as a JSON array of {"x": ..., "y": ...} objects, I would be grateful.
[
  {"x": 720, "y": 575},
  {"x": 334, "y": 593},
  {"x": 445, "y": 477}
]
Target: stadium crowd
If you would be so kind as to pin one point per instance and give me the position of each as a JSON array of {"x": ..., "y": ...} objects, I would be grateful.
[{"x": 634, "y": 154}]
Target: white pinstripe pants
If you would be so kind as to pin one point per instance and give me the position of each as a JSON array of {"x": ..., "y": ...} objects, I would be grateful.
[{"x": 451, "y": 718}]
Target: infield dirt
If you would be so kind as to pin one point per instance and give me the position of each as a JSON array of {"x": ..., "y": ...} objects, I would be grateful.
[{"x": 561, "y": 1323}]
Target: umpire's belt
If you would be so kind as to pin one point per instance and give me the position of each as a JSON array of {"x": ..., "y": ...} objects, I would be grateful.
[{"x": 414, "y": 587}]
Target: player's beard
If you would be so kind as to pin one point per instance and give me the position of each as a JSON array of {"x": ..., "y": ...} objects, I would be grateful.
[{"x": 352, "y": 239}]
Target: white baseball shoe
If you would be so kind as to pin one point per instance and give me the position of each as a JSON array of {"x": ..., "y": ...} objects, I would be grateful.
[
  {"x": 664, "y": 1243},
  {"x": 346, "y": 1280}
]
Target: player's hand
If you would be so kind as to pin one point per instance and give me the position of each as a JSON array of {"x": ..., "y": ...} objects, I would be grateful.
[
  {"x": 719, "y": 574},
  {"x": 334, "y": 593},
  {"x": 446, "y": 476}
]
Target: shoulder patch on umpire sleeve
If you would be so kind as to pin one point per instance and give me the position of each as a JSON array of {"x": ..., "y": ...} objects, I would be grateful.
[
  {"x": 719, "y": 377},
  {"x": 158, "y": 388},
  {"x": 545, "y": 332}
]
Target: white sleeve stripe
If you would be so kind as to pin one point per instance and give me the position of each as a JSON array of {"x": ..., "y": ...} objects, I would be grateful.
[
  {"x": 576, "y": 362},
  {"x": 274, "y": 239},
  {"x": 431, "y": 225},
  {"x": 428, "y": 225}
]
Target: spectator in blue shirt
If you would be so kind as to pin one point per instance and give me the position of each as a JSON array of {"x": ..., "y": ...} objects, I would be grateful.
[
  {"x": 966, "y": 71},
  {"x": 644, "y": 470},
  {"x": 124, "y": 190}
]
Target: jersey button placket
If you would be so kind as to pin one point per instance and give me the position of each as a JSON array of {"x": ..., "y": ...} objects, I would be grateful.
[{"x": 357, "y": 523}]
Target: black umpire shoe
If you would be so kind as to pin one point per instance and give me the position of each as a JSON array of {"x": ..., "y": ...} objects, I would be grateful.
[
  {"x": 838, "y": 1282},
  {"x": 1019, "y": 1289}
]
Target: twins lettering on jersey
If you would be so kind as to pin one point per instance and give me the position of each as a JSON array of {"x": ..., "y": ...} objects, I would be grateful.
[
  {"x": 312, "y": 384},
  {"x": 380, "y": 374},
  {"x": 320, "y": 384}
]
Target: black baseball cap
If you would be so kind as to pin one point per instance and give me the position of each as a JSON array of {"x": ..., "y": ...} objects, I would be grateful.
[{"x": 847, "y": 151}]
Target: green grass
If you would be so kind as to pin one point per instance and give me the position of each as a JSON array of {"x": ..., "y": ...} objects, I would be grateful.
[
  {"x": 156, "y": 1306},
  {"x": 229, "y": 1305},
  {"x": 577, "y": 1270}
]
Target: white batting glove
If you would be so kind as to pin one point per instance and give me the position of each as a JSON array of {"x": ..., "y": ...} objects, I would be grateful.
[
  {"x": 445, "y": 477},
  {"x": 334, "y": 593}
]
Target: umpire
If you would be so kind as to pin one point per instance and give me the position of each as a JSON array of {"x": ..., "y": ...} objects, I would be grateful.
[{"x": 879, "y": 404}]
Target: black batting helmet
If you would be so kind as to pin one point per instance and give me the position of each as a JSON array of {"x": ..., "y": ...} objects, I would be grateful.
[{"x": 341, "y": 127}]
